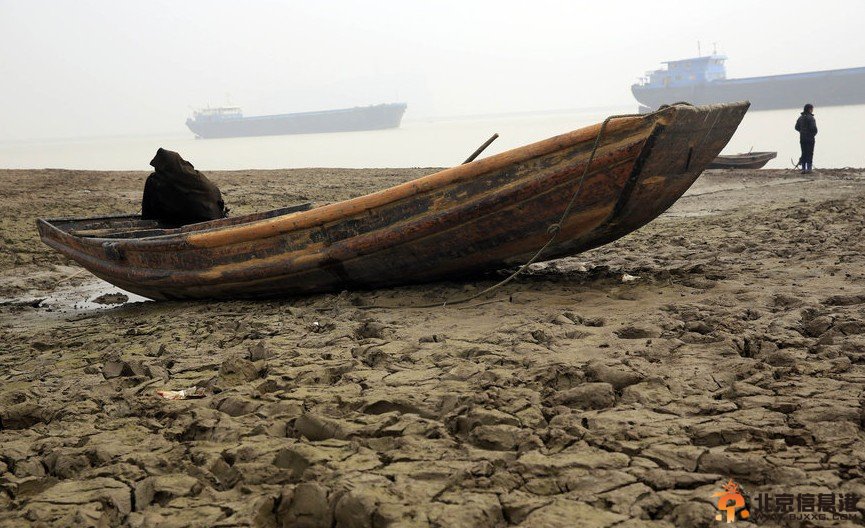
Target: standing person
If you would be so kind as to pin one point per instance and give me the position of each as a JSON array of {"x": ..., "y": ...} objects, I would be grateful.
[{"x": 807, "y": 127}]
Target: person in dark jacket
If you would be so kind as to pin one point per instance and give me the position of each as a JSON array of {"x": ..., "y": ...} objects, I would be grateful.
[{"x": 807, "y": 127}]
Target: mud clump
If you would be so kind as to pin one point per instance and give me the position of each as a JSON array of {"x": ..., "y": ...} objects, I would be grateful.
[{"x": 111, "y": 298}]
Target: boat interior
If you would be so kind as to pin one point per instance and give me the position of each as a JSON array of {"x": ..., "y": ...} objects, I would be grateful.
[{"x": 133, "y": 226}]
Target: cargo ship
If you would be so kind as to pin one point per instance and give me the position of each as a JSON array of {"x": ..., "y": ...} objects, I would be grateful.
[
  {"x": 226, "y": 122},
  {"x": 703, "y": 80}
]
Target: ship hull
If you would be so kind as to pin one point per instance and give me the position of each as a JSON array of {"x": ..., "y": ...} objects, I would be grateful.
[
  {"x": 827, "y": 88},
  {"x": 375, "y": 117}
]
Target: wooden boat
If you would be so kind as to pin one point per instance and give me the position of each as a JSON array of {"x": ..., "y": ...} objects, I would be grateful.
[
  {"x": 484, "y": 215},
  {"x": 749, "y": 160}
]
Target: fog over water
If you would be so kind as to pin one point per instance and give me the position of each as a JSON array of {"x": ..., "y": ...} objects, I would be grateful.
[
  {"x": 423, "y": 143},
  {"x": 100, "y": 84}
]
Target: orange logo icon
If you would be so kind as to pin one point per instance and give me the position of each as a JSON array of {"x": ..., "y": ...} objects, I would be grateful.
[{"x": 729, "y": 501}]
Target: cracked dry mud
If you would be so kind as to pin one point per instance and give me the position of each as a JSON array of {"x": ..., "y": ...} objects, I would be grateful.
[{"x": 571, "y": 398}]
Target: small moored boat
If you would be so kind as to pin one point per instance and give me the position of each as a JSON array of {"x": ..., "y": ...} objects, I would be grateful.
[
  {"x": 485, "y": 215},
  {"x": 749, "y": 160}
]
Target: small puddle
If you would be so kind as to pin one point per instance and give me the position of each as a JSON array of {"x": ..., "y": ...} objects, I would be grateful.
[{"x": 87, "y": 297}]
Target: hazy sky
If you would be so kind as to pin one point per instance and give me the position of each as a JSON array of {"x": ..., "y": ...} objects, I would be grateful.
[{"x": 110, "y": 67}]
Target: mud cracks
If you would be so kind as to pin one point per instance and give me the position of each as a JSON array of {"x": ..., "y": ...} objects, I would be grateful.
[{"x": 573, "y": 398}]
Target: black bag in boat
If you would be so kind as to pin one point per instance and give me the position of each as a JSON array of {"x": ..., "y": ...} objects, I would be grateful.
[{"x": 177, "y": 194}]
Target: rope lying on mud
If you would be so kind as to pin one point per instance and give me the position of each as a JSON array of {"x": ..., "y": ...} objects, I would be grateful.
[{"x": 553, "y": 229}]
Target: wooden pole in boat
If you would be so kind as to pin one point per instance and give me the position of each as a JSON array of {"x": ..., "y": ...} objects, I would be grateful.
[{"x": 480, "y": 149}]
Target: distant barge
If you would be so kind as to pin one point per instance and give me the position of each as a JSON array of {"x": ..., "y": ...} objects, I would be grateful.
[
  {"x": 229, "y": 121},
  {"x": 703, "y": 80}
]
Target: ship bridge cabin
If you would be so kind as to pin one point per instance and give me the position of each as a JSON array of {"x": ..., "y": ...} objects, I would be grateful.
[
  {"x": 217, "y": 114},
  {"x": 687, "y": 72}
]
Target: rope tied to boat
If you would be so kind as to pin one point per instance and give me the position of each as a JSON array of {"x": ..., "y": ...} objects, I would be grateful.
[{"x": 554, "y": 229}]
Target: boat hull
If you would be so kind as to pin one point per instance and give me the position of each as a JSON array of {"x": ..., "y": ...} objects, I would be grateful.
[
  {"x": 481, "y": 216},
  {"x": 375, "y": 117},
  {"x": 827, "y": 88}
]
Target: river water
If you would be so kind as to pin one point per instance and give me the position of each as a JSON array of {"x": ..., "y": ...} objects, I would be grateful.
[{"x": 433, "y": 142}]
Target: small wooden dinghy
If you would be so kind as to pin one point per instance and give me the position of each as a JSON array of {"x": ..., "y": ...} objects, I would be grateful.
[
  {"x": 749, "y": 160},
  {"x": 485, "y": 215}
]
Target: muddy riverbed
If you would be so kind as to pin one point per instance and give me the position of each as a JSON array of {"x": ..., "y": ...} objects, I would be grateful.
[{"x": 620, "y": 387}]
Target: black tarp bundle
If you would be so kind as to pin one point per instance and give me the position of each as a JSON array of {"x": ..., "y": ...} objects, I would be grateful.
[{"x": 177, "y": 194}]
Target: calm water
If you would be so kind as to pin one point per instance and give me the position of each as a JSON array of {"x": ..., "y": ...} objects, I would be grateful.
[{"x": 424, "y": 143}]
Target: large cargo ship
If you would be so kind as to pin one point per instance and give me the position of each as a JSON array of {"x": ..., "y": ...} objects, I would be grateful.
[
  {"x": 703, "y": 80},
  {"x": 230, "y": 122}
]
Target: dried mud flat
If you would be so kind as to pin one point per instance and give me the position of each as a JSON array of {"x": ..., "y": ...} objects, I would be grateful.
[{"x": 570, "y": 398}]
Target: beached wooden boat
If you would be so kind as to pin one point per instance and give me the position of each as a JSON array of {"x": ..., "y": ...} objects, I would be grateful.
[
  {"x": 749, "y": 160},
  {"x": 485, "y": 215}
]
